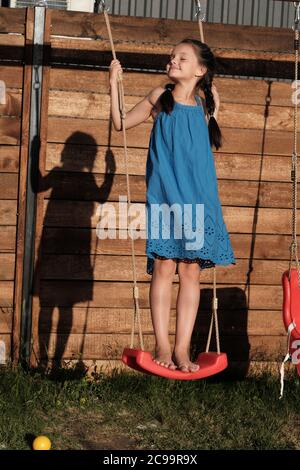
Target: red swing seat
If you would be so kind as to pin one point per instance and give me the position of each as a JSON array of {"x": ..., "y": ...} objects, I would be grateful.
[
  {"x": 210, "y": 363},
  {"x": 291, "y": 313}
]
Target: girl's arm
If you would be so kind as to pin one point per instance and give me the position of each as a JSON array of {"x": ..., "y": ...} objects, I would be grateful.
[{"x": 140, "y": 112}]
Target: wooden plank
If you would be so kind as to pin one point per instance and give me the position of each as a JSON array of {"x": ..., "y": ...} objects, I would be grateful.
[
  {"x": 8, "y": 239},
  {"x": 10, "y": 129},
  {"x": 119, "y": 295},
  {"x": 9, "y": 158},
  {"x": 41, "y": 169},
  {"x": 8, "y": 212},
  {"x": 100, "y": 132},
  {"x": 24, "y": 155},
  {"x": 12, "y": 20},
  {"x": 242, "y": 66},
  {"x": 231, "y": 90},
  {"x": 6, "y": 293},
  {"x": 154, "y": 55},
  {"x": 84, "y": 105},
  {"x": 230, "y": 166},
  {"x": 12, "y": 75},
  {"x": 238, "y": 219},
  {"x": 118, "y": 268},
  {"x": 6, "y": 315},
  {"x": 64, "y": 240},
  {"x": 84, "y": 187},
  {"x": 253, "y": 167},
  {"x": 7, "y": 267},
  {"x": 252, "y": 117},
  {"x": 13, "y": 103},
  {"x": 8, "y": 185},
  {"x": 110, "y": 346},
  {"x": 11, "y": 48},
  {"x": 163, "y": 31},
  {"x": 94, "y": 159},
  {"x": 14, "y": 40},
  {"x": 118, "y": 321}
]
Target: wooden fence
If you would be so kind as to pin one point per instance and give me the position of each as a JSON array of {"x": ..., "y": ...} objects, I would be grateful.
[{"x": 82, "y": 294}]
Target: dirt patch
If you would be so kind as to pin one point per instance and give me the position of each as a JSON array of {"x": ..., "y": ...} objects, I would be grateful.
[{"x": 86, "y": 430}]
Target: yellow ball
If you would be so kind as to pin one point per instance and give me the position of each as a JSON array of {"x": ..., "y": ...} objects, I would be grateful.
[{"x": 41, "y": 443}]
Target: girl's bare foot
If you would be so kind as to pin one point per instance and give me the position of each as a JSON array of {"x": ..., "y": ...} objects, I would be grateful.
[
  {"x": 163, "y": 358},
  {"x": 182, "y": 360}
]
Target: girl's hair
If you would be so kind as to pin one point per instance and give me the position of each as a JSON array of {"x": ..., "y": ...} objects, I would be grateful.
[{"x": 207, "y": 58}]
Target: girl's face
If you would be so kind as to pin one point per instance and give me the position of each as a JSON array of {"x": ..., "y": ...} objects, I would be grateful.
[{"x": 183, "y": 63}]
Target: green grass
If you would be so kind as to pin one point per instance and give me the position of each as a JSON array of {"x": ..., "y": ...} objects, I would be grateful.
[{"x": 135, "y": 411}]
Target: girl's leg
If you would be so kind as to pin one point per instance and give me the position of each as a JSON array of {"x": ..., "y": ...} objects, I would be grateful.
[
  {"x": 160, "y": 303},
  {"x": 187, "y": 307}
]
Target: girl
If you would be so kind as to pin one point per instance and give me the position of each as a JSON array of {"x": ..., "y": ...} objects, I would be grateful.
[{"x": 180, "y": 172}]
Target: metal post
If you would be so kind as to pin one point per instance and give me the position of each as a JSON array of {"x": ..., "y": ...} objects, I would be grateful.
[{"x": 32, "y": 179}]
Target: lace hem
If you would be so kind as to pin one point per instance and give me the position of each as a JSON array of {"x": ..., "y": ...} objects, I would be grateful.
[
  {"x": 217, "y": 247},
  {"x": 203, "y": 263}
]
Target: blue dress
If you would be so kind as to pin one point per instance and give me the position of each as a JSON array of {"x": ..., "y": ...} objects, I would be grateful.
[{"x": 180, "y": 174}]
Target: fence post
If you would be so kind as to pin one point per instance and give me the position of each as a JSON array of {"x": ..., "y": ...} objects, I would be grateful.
[{"x": 32, "y": 180}]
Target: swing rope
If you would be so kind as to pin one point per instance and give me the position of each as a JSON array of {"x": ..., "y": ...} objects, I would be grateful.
[
  {"x": 136, "y": 311},
  {"x": 214, "y": 316},
  {"x": 294, "y": 178}
]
